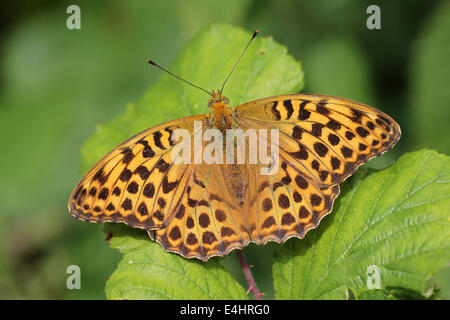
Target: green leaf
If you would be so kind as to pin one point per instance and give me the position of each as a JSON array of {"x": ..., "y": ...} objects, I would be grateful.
[
  {"x": 265, "y": 70},
  {"x": 396, "y": 219},
  {"x": 430, "y": 75},
  {"x": 147, "y": 271},
  {"x": 350, "y": 78}
]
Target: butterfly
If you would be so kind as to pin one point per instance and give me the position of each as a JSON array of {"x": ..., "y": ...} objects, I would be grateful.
[{"x": 200, "y": 210}]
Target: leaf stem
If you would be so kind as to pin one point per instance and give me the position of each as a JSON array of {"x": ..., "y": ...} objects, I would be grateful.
[{"x": 252, "y": 287}]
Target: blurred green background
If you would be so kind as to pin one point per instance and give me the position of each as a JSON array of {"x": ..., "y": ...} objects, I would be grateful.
[{"x": 57, "y": 84}]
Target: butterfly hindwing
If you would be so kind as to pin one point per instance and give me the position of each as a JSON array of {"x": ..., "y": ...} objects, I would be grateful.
[
  {"x": 208, "y": 222},
  {"x": 328, "y": 136}
]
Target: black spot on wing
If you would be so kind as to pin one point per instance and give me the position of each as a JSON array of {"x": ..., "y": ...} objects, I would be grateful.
[
  {"x": 275, "y": 111},
  {"x": 357, "y": 115},
  {"x": 321, "y": 108},
  {"x": 333, "y": 139},
  {"x": 301, "y": 154},
  {"x": 333, "y": 125},
  {"x": 362, "y": 132},
  {"x": 148, "y": 151},
  {"x": 289, "y": 109},
  {"x": 320, "y": 148},
  {"x": 303, "y": 114},
  {"x": 127, "y": 155},
  {"x": 317, "y": 129},
  {"x": 297, "y": 132},
  {"x": 157, "y": 138},
  {"x": 349, "y": 135}
]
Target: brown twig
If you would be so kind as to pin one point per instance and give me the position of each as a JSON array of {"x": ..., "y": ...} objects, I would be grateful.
[{"x": 252, "y": 287}]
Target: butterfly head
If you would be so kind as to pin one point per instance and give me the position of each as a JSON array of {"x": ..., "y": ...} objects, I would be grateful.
[
  {"x": 220, "y": 110},
  {"x": 217, "y": 99}
]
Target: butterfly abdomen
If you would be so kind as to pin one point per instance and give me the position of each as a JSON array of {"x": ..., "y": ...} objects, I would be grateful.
[{"x": 237, "y": 181}]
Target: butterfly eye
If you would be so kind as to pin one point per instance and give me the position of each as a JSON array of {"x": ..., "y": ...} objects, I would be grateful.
[
  {"x": 211, "y": 103},
  {"x": 226, "y": 101}
]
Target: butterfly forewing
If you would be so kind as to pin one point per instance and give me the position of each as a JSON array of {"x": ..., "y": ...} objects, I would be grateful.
[
  {"x": 131, "y": 183},
  {"x": 329, "y": 137}
]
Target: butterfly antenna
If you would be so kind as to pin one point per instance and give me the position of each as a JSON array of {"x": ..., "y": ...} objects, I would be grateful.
[
  {"x": 239, "y": 59},
  {"x": 190, "y": 83}
]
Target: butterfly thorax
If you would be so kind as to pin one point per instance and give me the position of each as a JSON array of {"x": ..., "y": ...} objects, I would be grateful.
[{"x": 220, "y": 111}]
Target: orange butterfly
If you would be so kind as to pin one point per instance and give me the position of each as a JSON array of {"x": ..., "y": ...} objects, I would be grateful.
[{"x": 208, "y": 209}]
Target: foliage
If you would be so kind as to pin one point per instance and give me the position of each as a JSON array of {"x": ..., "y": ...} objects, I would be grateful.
[
  {"x": 429, "y": 101},
  {"x": 147, "y": 272},
  {"x": 391, "y": 219}
]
